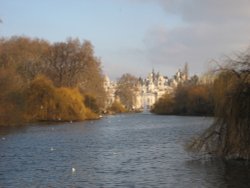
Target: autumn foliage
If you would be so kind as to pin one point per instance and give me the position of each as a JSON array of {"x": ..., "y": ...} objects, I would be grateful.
[
  {"x": 188, "y": 99},
  {"x": 40, "y": 81},
  {"x": 116, "y": 107},
  {"x": 11, "y": 98},
  {"x": 45, "y": 102}
]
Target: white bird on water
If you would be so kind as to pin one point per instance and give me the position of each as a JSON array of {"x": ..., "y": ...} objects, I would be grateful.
[{"x": 73, "y": 170}]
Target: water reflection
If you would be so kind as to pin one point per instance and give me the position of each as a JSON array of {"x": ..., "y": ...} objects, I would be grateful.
[
  {"x": 237, "y": 174},
  {"x": 11, "y": 130},
  {"x": 220, "y": 173}
]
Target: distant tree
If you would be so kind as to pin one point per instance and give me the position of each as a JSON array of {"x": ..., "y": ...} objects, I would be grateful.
[
  {"x": 165, "y": 105},
  {"x": 188, "y": 98},
  {"x": 116, "y": 107},
  {"x": 193, "y": 80},
  {"x": 127, "y": 86}
]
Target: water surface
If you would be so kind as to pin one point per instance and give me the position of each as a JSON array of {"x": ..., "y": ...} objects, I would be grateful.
[{"x": 135, "y": 150}]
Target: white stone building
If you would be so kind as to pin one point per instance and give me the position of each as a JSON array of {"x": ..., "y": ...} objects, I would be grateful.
[
  {"x": 150, "y": 89},
  {"x": 110, "y": 88}
]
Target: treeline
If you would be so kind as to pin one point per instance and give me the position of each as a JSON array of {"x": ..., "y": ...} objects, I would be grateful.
[
  {"x": 42, "y": 81},
  {"x": 189, "y": 98}
]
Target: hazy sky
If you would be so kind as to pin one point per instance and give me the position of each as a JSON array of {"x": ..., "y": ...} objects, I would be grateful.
[{"x": 137, "y": 35}]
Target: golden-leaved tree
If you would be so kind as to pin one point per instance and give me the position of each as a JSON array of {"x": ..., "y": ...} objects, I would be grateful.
[{"x": 45, "y": 102}]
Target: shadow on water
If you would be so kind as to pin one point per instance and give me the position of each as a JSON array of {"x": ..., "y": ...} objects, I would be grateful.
[
  {"x": 4, "y": 131},
  {"x": 237, "y": 174},
  {"x": 220, "y": 173}
]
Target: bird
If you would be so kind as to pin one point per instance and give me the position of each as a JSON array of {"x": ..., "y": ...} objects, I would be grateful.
[{"x": 73, "y": 170}]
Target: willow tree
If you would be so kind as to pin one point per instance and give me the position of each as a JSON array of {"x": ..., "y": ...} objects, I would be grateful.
[{"x": 229, "y": 135}]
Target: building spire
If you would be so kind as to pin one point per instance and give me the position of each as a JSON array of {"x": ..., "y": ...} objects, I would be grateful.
[{"x": 186, "y": 71}]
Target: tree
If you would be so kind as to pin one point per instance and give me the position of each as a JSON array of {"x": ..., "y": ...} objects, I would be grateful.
[
  {"x": 92, "y": 78},
  {"x": 229, "y": 135},
  {"x": 116, "y": 107},
  {"x": 65, "y": 63},
  {"x": 165, "y": 105},
  {"x": 45, "y": 102},
  {"x": 34, "y": 72},
  {"x": 41, "y": 99},
  {"x": 193, "y": 80},
  {"x": 24, "y": 55},
  {"x": 188, "y": 98},
  {"x": 200, "y": 100},
  {"x": 127, "y": 86},
  {"x": 72, "y": 64},
  {"x": 12, "y": 102},
  {"x": 181, "y": 99}
]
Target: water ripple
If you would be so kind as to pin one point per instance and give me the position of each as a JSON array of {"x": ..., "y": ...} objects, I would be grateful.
[{"x": 117, "y": 151}]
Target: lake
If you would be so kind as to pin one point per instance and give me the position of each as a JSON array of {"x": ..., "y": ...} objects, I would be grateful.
[{"x": 131, "y": 150}]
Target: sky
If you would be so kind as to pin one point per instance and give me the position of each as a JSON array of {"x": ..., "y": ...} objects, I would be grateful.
[{"x": 136, "y": 36}]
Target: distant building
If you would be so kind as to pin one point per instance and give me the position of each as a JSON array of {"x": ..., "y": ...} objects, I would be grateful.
[
  {"x": 150, "y": 89},
  {"x": 110, "y": 88}
]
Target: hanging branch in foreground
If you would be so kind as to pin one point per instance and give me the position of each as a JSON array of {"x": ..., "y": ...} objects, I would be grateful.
[{"x": 229, "y": 135}]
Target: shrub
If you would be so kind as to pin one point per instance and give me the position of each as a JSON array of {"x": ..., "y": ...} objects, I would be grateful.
[{"x": 48, "y": 103}]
